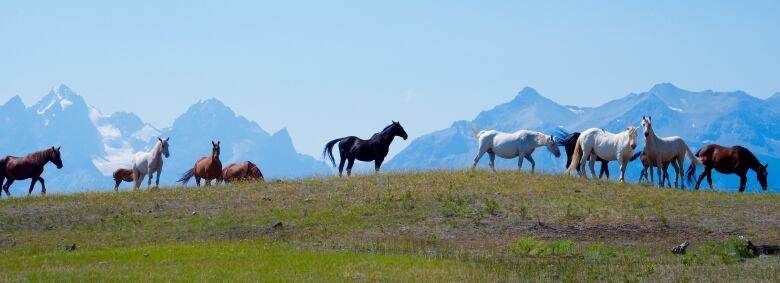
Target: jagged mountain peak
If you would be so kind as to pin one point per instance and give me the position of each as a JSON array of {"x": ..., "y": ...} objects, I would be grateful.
[{"x": 15, "y": 103}]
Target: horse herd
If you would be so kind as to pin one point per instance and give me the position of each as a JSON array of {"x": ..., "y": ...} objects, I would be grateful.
[{"x": 582, "y": 148}]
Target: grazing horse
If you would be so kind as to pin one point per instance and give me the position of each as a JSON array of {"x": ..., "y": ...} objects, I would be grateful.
[
  {"x": 150, "y": 163},
  {"x": 646, "y": 164},
  {"x": 671, "y": 149},
  {"x": 28, "y": 167},
  {"x": 246, "y": 171},
  {"x": 568, "y": 141},
  {"x": 120, "y": 175},
  {"x": 208, "y": 168},
  {"x": 734, "y": 160},
  {"x": 594, "y": 143},
  {"x": 374, "y": 149},
  {"x": 510, "y": 145}
]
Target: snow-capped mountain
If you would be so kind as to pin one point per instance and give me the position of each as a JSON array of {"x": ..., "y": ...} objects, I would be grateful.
[
  {"x": 726, "y": 118},
  {"x": 95, "y": 144}
]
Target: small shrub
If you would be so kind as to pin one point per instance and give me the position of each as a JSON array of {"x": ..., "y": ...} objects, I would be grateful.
[
  {"x": 491, "y": 207},
  {"x": 562, "y": 247},
  {"x": 531, "y": 247}
]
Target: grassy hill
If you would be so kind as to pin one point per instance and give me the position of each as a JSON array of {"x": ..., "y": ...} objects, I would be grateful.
[{"x": 433, "y": 226}]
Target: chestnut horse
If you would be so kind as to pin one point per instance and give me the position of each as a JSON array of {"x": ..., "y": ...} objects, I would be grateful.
[
  {"x": 208, "y": 168},
  {"x": 28, "y": 167},
  {"x": 728, "y": 160},
  {"x": 246, "y": 171},
  {"x": 120, "y": 175}
]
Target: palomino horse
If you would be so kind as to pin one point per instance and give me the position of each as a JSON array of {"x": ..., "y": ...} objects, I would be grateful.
[
  {"x": 646, "y": 164},
  {"x": 510, "y": 145},
  {"x": 120, "y": 175},
  {"x": 374, "y": 149},
  {"x": 672, "y": 149},
  {"x": 149, "y": 163},
  {"x": 28, "y": 167},
  {"x": 595, "y": 143},
  {"x": 208, "y": 168},
  {"x": 568, "y": 141},
  {"x": 246, "y": 171},
  {"x": 734, "y": 160}
]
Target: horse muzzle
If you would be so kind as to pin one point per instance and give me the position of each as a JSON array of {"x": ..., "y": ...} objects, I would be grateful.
[
  {"x": 59, "y": 166},
  {"x": 633, "y": 146}
]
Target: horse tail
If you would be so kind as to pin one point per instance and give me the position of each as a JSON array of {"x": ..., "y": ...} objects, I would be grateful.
[
  {"x": 187, "y": 176},
  {"x": 327, "y": 152},
  {"x": 691, "y": 172},
  {"x": 694, "y": 157},
  {"x": 474, "y": 130},
  {"x": 575, "y": 158},
  {"x": 636, "y": 155}
]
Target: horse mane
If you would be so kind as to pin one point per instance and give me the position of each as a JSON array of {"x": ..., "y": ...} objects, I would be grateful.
[
  {"x": 749, "y": 154},
  {"x": 41, "y": 155}
]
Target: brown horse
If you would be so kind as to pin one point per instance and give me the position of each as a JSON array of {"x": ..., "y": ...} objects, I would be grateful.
[
  {"x": 246, "y": 171},
  {"x": 208, "y": 168},
  {"x": 734, "y": 160},
  {"x": 120, "y": 175},
  {"x": 28, "y": 167},
  {"x": 646, "y": 164}
]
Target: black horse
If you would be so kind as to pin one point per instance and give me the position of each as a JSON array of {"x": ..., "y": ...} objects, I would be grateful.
[
  {"x": 569, "y": 141},
  {"x": 374, "y": 149}
]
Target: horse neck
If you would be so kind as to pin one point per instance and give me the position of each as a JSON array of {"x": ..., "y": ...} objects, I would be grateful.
[
  {"x": 652, "y": 139},
  {"x": 541, "y": 139},
  {"x": 751, "y": 160},
  {"x": 41, "y": 157},
  {"x": 214, "y": 155},
  {"x": 157, "y": 151},
  {"x": 386, "y": 137}
]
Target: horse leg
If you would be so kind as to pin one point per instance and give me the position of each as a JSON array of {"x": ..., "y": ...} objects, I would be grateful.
[
  {"x": 533, "y": 163},
  {"x": 520, "y": 163},
  {"x": 680, "y": 172},
  {"x": 378, "y": 164},
  {"x": 742, "y": 182},
  {"x": 604, "y": 169},
  {"x": 32, "y": 185},
  {"x": 660, "y": 167},
  {"x": 480, "y": 153},
  {"x": 7, "y": 186},
  {"x": 197, "y": 181},
  {"x": 709, "y": 178},
  {"x": 116, "y": 186},
  {"x": 43, "y": 185},
  {"x": 592, "y": 165},
  {"x": 350, "y": 163},
  {"x": 583, "y": 160},
  {"x": 341, "y": 165},
  {"x": 701, "y": 178},
  {"x": 492, "y": 157},
  {"x": 157, "y": 180},
  {"x": 151, "y": 175},
  {"x": 2, "y": 187},
  {"x": 623, "y": 162}
]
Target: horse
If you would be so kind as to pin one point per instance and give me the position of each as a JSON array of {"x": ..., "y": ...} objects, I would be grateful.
[
  {"x": 672, "y": 149},
  {"x": 594, "y": 143},
  {"x": 521, "y": 144},
  {"x": 374, "y": 149},
  {"x": 646, "y": 164},
  {"x": 734, "y": 160},
  {"x": 149, "y": 163},
  {"x": 120, "y": 175},
  {"x": 29, "y": 167},
  {"x": 208, "y": 168},
  {"x": 567, "y": 141},
  {"x": 246, "y": 171}
]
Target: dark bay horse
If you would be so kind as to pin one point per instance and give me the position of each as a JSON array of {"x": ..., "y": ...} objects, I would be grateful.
[
  {"x": 208, "y": 168},
  {"x": 28, "y": 167},
  {"x": 122, "y": 174},
  {"x": 728, "y": 160},
  {"x": 246, "y": 171},
  {"x": 569, "y": 141},
  {"x": 374, "y": 149}
]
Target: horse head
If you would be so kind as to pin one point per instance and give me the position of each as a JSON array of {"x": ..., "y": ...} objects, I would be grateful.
[
  {"x": 552, "y": 146},
  {"x": 762, "y": 174},
  {"x": 55, "y": 157},
  {"x": 647, "y": 126},
  {"x": 633, "y": 137},
  {"x": 164, "y": 146},
  {"x": 398, "y": 130},
  {"x": 215, "y": 150}
]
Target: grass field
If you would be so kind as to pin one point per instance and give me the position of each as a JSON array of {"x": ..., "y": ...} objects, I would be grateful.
[{"x": 432, "y": 226}]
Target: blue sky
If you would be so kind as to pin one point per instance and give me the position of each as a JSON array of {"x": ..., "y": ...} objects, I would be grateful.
[{"x": 326, "y": 69}]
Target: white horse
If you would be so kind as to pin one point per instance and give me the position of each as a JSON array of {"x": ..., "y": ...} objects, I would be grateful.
[
  {"x": 510, "y": 145},
  {"x": 149, "y": 163},
  {"x": 608, "y": 146},
  {"x": 669, "y": 149}
]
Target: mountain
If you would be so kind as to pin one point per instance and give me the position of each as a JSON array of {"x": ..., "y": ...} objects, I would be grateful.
[
  {"x": 95, "y": 144},
  {"x": 726, "y": 118}
]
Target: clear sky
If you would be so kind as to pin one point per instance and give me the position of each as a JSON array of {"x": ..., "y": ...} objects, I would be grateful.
[{"x": 326, "y": 69}]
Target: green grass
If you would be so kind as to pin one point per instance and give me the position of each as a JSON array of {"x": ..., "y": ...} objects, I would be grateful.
[{"x": 427, "y": 226}]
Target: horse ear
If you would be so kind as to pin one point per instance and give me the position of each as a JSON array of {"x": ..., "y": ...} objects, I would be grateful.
[
  {"x": 169, "y": 138},
  {"x": 58, "y": 149},
  {"x": 218, "y": 142},
  {"x": 159, "y": 139},
  {"x": 766, "y": 165},
  {"x": 649, "y": 118},
  {"x": 212, "y": 143}
]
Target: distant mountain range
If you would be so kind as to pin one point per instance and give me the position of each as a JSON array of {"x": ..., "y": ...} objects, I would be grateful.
[
  {"x": 726, "y": 118},
  {"x": 95, "y": 144}
]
